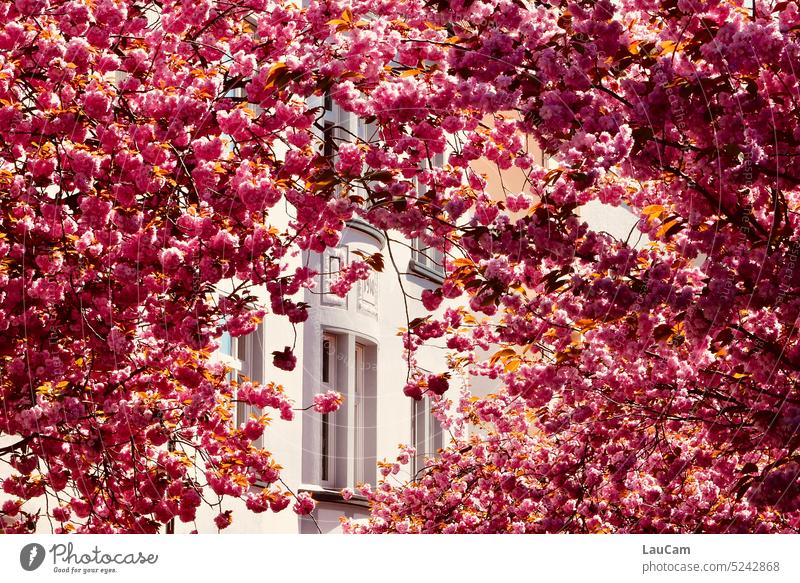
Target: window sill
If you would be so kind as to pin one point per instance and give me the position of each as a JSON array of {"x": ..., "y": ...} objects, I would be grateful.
[
  {"x": 425, "y": 272},
  {"x": 335, "y": 496}
]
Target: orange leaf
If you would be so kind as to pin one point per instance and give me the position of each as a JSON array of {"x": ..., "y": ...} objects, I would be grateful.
[
  {"x": 653, "y": 211},
  {"x": 275, "y": 72}
]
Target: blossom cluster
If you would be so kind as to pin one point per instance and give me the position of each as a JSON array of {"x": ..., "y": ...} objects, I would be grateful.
[{"x": 327, "y": 402}]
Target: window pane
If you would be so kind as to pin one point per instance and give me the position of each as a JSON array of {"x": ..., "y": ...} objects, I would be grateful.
[
  {"x": 327, "y": 429},
  {"x": 436, "y": 255},
  {"x": 436, "y": 435},
  {"x": 241, "y": 348},
  {"x": 326, "y": 361},
  {"x": 418, "y": 433},
  {"x": 334, "y": 265},
  {"x": 368, "y": 132},
  {"x": 325, "y": 446},
  {"x": 328, "y": 147},
  {"x": 226, "y": 344},
  {"x": 241, "y": 413},
  {"x": 430, "y": 257}
]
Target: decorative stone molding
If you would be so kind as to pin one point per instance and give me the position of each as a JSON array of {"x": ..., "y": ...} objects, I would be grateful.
[
  {"x": 331, "y": 261},
  {"x": 368, "y": 295}
]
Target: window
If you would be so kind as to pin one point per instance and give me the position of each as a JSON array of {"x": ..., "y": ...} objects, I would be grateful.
[
  {"x": 426, "y": 434},
  {"x": 335, "y": 122},
  {"x": 239, "y": 94},
  {"x": 334, "y": 265},
  {"x": 338, "y": 126},
  {"x": 368, "y": 134},
  {"x": 345, "y": 442},
  {"x": 243, "y": 355},
  {"x": 332, "y": 260},
  {"x": 427, "y": 260},
  {"x": 368, "y": 131}
]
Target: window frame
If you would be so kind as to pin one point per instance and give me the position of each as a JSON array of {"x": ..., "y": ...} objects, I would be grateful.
[
  {"x": 334, "y": 121},
  {"x": 242, "y": 362},
  {"x": 328, "y": 432},
  {"x": 366, "y": 134},
  {"x": 343, "y": 445},
  {"x": 427, "y": 434},
  {"x": 327, "y": 276},
  {"x": 429, "y": 258},
  {"x": 359, "y": 416},
  {"x": 427, "y": 261}
]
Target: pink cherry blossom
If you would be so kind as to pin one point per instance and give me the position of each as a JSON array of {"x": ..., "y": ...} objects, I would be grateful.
[
  {"x": 304, "y": 504},
  {"x": 327, "y": 402},
  {"x": 223, "y": 520},
  {"x": 284, "y": 359}
]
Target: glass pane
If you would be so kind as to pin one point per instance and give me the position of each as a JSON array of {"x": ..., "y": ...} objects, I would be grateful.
[
  {"x": 419, "y": 438},
  {"x": 226, "y": 344},
  {"x": 437, "y": 257},
  {"x": 436, "y": 435},
  {"x": 334, "y": 265},
  {"x": 416, "y": 246},
  {"x": 430, "y": 257},
  {"x": 326, "y": 361},
  {"x": 241, "y": 348},
  {"x": 359, "y": 370},
  {"x": 325, "y": 446},
  {"x": 367, "y": 131},
  {"x": 328, "y": 143},
  {"x": 241, "y": 413}
]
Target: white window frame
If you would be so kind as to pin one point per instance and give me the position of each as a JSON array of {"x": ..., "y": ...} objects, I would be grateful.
[
  {"x": 239, "y": 92},
  {"x": 367, "y": 133},
  {"x": 327, "y": 431},
  {"x": 334, "y": 122},
  {"x": 242, "y": 364},
  {"x": 359, "y": 423},
  {"x": 427, "y": 435},
  {"x": 344, "y": 448},
  {"x": 328, "y": 260},
  {"x": 430, "y": 259}
]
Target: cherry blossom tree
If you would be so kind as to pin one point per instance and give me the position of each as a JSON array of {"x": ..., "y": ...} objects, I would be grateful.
[
  {"x": 647, "y": 388},
  {"x": 147, "y": 148}
]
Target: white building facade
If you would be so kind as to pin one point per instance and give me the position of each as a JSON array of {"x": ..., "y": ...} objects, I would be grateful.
[
  {"x": 348, "y": 344},
  {"x": 351, "y": 345}
]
